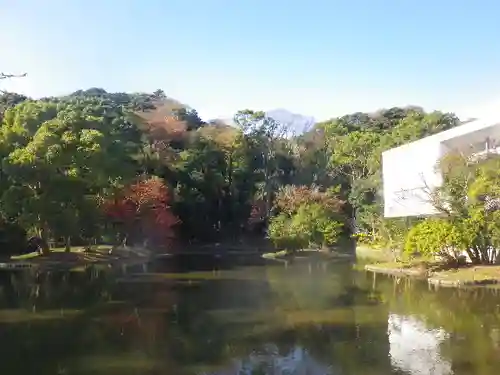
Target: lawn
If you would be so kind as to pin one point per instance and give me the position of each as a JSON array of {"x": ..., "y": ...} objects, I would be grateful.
[
  {"x": 441, "y": 273},
  {"x": 468, "y": 275}
]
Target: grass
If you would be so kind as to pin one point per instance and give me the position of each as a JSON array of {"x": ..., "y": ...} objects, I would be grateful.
[
  {"x": 440, "y": 273},
  {"x": 469, "y": 274},
  {"x": 372, "y": 253},
  {"x": 408, "y": 263},
  {"x": 408, "y": 268}
]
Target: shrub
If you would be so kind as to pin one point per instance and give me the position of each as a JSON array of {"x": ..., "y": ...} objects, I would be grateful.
[
  {"x": 284, "y": 233},
  {"x": 312, "y": 224},
  {"x": 12, "y": 239},
  {"x": 470, "y": 220},
  {"x": 306, "y": 216},
  {"x": 435, "y": 237}
]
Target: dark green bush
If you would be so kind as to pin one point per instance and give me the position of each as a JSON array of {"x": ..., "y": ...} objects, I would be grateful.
[{"x": 12, "y": 239}]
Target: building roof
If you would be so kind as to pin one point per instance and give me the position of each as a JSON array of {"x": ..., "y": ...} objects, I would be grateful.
[{"x": 470, "y": 131}]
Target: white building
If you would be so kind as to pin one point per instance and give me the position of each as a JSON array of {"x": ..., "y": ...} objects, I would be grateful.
[{"x": 409, "y": 171}]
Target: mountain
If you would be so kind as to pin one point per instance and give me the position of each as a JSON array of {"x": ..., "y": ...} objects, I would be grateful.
[{"x": 295, "y": 123}]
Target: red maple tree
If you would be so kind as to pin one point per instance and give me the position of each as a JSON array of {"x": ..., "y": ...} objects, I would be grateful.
[
  {"x": 291, "y": 197},
  {"x": 142, "y": 211}
]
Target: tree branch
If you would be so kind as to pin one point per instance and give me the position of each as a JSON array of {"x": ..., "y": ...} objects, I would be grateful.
[
  {"x": 4, "y": 76},
  {"x": 434, "y": 198}
]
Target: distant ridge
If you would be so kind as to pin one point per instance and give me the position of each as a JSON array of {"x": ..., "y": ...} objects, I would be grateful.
[{"x": 295, "y": 123}]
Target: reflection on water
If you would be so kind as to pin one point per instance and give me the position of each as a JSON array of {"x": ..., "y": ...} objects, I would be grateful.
[
  {"x": 233, "y": 317},
  {"x": 415, "y": 348},
  {"x": 269, "y": 361}
]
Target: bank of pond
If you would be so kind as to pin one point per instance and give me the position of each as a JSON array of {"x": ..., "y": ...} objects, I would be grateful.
[
  {"x": 370, "y": 259},
  {"x": 240, "y": 314},
  {"x": 434, "y": 272}
]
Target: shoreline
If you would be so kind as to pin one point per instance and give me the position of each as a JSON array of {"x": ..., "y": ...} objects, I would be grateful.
[
  {"x": 478, "y": 275},
  {"x": 435, "y": 273},
  {"x": 78, "y": 258}
]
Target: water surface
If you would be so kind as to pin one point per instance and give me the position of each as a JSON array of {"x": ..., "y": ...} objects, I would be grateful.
[{"x": 232, "y": 317}]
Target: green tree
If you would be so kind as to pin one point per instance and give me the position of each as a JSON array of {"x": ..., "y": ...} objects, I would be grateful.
[
  {"x": 467, "y": 222},
  {"x": 60, "y": 159},
  {"x": 214, "y": 186},
  {"x": 311, "y": 225},
  {"x": 9, "y": 100},
  {"x": 355, "y": 158},
  {"x": 311, "y": 158},
  {"x": 265, "y": 136},
  {"x": 306, "y": 216},
  {"x": 355, "y": 143}
]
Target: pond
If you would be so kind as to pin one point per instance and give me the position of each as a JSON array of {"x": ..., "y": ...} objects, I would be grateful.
[{"x": 236, "y": 316}]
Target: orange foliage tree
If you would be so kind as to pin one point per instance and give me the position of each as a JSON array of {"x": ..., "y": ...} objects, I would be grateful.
[
  {"x": 290, "y": 198},
  {"x": 141, "y": 212}
]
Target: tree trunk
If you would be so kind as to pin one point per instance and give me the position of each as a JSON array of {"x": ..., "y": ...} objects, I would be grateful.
[
  {"x": 477, "y": 256},
  {"x": 494, "y": 256},
  {"x": 44, "y": 243},
  {"x": 124, "y": 241},
  {"x": 470, "y": 254},
  {"x": 67, "y": 244}
]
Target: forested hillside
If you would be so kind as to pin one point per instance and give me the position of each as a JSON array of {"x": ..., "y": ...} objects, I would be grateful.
[{"x": 144, "y": 168}]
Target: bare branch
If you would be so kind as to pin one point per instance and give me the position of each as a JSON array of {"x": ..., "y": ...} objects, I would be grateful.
[
  {"x": 5, "y": 76},
  {"x": 434, "y": 198}
]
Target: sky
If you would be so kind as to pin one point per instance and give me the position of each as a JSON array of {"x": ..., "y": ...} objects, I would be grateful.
[{"x": 317, "y": 58}]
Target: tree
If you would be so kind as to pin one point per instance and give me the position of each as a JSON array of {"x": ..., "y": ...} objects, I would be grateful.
[
  {"x": 306, "y": 216},
  {"x": 60, "y": 159},
  {"x": 159, "y": 94},
  {"x": 311, "y": 159},
  {"x": 354, "y": 146},
  {"x": 12, "y": 238},
  {"x": 141, "y": 212},
  {"x": 420, "y": 124},
  {"x": 291, "y": 197},
  {"x": 214, "y": 186},
  {"x": 5, "y": 76},
  {"x": 263, "y": 136},
  {"x": 466, "y": 223},
  {"x": 9, "y": 100},
  {"x": 355, "y": 158},
  {"x": 312, "y": 224},
  {"x": 64, "y": 156}
]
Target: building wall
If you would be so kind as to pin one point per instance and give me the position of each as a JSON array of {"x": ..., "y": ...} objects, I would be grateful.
[
  {"x": 408, "y": 174},
  {"x": 409, "y": 171}
]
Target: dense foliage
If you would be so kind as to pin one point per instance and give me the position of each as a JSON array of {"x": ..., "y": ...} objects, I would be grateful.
[
  {"x": 354, "y": 144},
  {"x": 142, "y": 211},
  {"x": 306, "y": 217},
  {"x": 469, "y": 223},
  {"x": 64, "y": 159}
]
